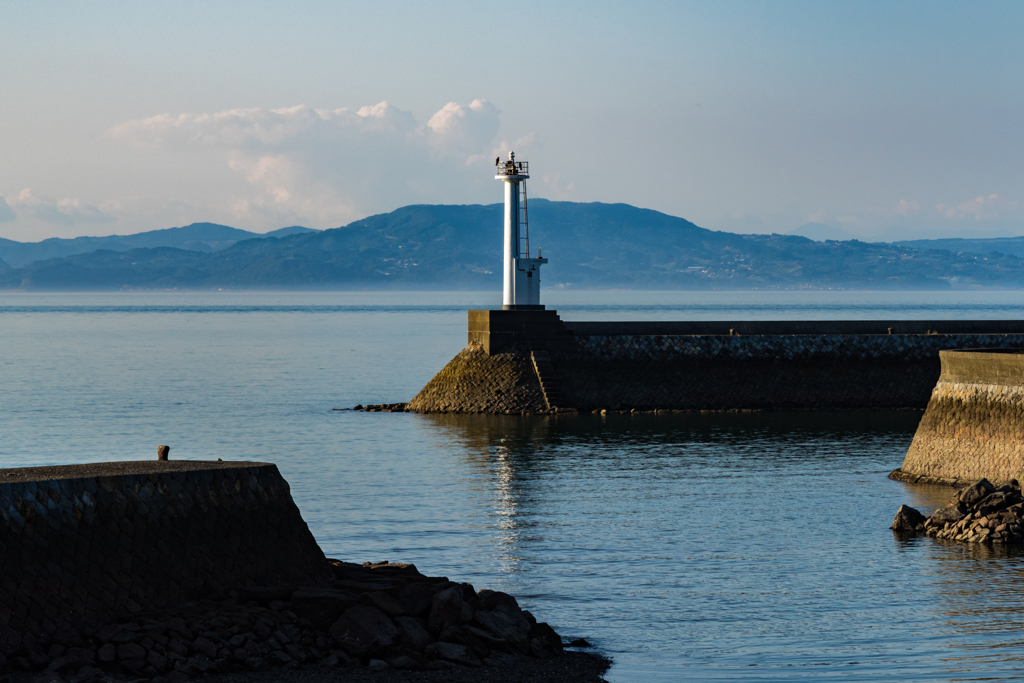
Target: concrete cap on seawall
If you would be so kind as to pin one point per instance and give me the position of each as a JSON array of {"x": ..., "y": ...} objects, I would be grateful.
[
  {"x": 121, "y": 468},
  {"x": 1003, "y": 367}
]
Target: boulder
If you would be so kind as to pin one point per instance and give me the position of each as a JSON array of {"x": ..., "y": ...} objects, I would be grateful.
[
  {"x": 322, "y": 606},
  {"x": 541, "y": 649},
  {"x": 547, "y": 634},
  {"x": 199, "y": 662},
  {"x": 513, "y": 631},
  {"x": 907, "y": 519},
  {"x": 411, "y": 634},
  {"x": 133, "y": 665},
  {"x": 385, "y": 603},
  {"x": 445, "y": 610},
  {"x": 362, "y": 630},
  {"x": 157, "y": 660},
  {"x": 491, "y": 641},
  {"x": 403, "y": 662},
  {"x": 255, "y": 663},
  {"x": 207, "y": 647},
  {"x": 974, "y": 493},
  {"x": 416, "y": 599},
  {"x": 351, "y": 637},
  {"x": 459, "y": 654},
  {"x": 131, "y": 651},
  {"x": 999, "y": 500},
  {"x": 953, "y": 512},
  {"x": 107, "y": 653},
  {"x": 265, "y": 595},
  {"x": 502, "y": 659},
  {"x": 73, "y": 660},
  {"x": 490, "y": 600}
]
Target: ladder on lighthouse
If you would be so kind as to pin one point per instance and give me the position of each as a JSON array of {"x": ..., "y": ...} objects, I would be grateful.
[{"x": 524, "y": 236}]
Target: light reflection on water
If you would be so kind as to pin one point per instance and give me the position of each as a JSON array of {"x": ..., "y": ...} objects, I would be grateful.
[{"x": 747, "y": 547}]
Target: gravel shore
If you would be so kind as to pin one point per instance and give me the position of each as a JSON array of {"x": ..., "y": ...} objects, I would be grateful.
[{"x": 569, "y": 667}]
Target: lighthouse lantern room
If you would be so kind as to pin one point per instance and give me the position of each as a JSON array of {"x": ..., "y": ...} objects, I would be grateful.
[{"x": 521, "y": 272}]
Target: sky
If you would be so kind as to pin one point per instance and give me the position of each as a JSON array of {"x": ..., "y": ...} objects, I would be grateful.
[{"x": 886, "y": 120}]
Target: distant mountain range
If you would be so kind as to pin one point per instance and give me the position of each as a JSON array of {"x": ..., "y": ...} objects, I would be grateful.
[
  {"x": 992, "y": 245},
  {"x": 460, "y": 247},
  {"x": 820, "y": 232},
  {"x": 195, "y": 237},
  {"x": 975, "y": 245}
]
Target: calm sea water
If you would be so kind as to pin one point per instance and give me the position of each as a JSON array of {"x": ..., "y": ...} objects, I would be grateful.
[{"x": 688, "y": 547}]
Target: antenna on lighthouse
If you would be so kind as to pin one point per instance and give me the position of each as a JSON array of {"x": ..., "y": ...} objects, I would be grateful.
[{"x": 521, "y": 273}]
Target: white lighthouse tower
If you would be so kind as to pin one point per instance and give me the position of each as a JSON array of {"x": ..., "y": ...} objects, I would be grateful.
[{"x": 521, "y": 273}]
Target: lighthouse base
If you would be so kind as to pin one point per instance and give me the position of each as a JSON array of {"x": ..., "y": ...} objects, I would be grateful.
[
  {"x": 522, "y": 307},
  {"x": 524, "y": 326}
]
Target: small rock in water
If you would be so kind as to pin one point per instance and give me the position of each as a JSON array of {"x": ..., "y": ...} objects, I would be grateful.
[{"x": 907, "y": 519}]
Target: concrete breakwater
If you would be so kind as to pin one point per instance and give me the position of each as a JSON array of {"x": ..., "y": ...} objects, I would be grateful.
[
  {"x": 533, "y": 362},
  {"x": 170, "y": 570},
  {"x": 973, "y": 422},
  {"x": 81, "y": 544}
]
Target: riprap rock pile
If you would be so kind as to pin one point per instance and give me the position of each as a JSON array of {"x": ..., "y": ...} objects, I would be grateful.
[
  {"x": 377, "y": 615},
  {"x": 979, "y": 513}
]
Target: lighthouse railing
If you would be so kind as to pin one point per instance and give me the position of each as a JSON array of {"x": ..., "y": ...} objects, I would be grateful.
[{"x": 513, "y": 168}]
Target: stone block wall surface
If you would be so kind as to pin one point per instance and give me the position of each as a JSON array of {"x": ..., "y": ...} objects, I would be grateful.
[
  {"x": 708, "y": 372},
  {"x": 973, "y": 426},
  {"x": 477, "y": 382},
  {"x": 788, "y": 347},
  {"x": 760, "y": 372},
  {"x": 80, "y": 545}
]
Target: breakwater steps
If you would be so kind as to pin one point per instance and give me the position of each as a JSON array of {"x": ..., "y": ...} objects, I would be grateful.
[{"x": 549, "y": 385}]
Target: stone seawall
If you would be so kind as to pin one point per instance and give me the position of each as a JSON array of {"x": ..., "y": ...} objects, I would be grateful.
[
  {"x": 759, "y": 372},
  {"x": 760, "y": 365},
  {"x": 477, "y": 382},
  {"x": 81, "y": 545},
  {"x": 974, "y": 421}
]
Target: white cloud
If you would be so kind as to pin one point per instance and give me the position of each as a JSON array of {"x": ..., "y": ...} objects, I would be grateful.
[
  {"x": 333, "y": 166},
  {"x": 59, "y": 211},
  {"x": 274, "y": 173},
  {"x": 463, "y": 130},
  {"x": 260, "y": 127},
  {"x": 522, "y": 146},
  {"x": 981, "y": 208},
  {"x": 905, "y": 207}
]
